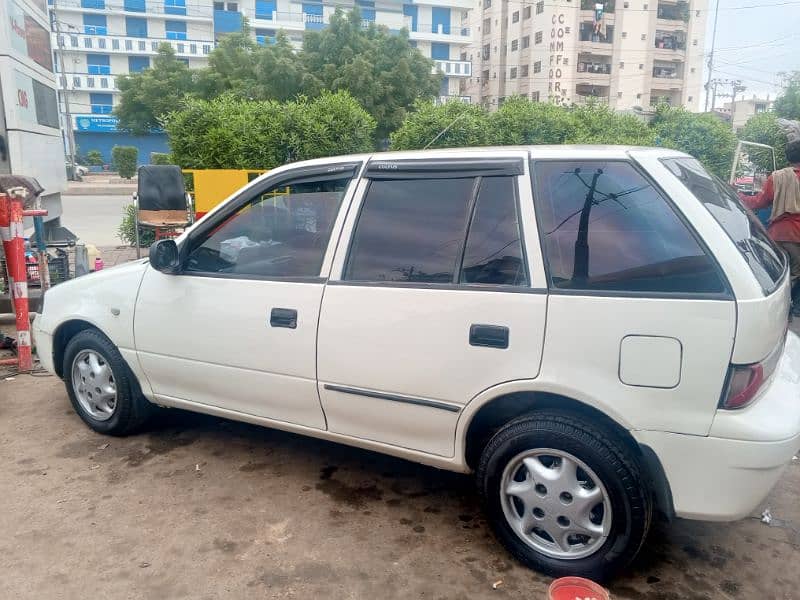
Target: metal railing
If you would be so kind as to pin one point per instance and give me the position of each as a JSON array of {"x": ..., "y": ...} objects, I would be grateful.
[
  {"x": 89, "y": 83},
  {"x": 91, "y": 42},
  {"x": 453, "y": 68}
]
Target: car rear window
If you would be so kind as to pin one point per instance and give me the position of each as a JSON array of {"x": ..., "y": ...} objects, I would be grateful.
[
  {"x": 765, "y": 259},
  {"x": 605, "y": 228}
]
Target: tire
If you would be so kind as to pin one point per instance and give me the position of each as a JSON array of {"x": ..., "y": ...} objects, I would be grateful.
[
  {"x": 601, "y": 522},
  {"x": 129, "y": 409}
]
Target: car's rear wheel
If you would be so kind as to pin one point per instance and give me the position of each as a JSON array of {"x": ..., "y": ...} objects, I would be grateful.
[
  {"x": 564, "y": 496},
  {"x": 100, "y": 385}
]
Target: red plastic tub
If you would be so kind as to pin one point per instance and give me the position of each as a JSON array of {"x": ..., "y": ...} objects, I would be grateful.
[{"x": 576, "y": 588}]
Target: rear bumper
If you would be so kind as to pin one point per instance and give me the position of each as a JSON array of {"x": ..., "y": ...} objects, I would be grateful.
[{"x": 725, "y": 476}]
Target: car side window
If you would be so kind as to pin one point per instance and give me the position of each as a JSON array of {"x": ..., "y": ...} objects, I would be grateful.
[
  {"x": 410, "y": 230},
  {"x": 493, "y": 252},
  {"x": 606, "y": 228},
  {"x": 282, "y": 232}
]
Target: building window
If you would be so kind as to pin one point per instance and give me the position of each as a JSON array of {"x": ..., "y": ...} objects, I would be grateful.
[
  {"x": 514, "y": 45},
  {"x": 142, "y": 46},
  {"x": 537, "y": 66},
  {"x": 644, "y": 37},
  {"x": 515, "y": 17},
  {"x": 192, "y": 48},
  {"x": 535, "y": 96},
  {"x": 645, "y": 7},
  {"x": 93, "y": 4},
  {"x": 513, "y": 74},
  {"x": 638, "y": 96},
  {"x": 538, "y": 37},
  {"x": 641, "y": 66},
  {"x": 440, "y": 51},
  {"x": 176, "y": 30},
  {"x": 690, "y": 98},
  {"x": 206, "y": 48},
  {"x": 175, "y": 7},
  {"x": 233, "y": 6},
  {"x": 219, "y": 6},
  {"x": 692, "y": 70},
  {"x": 626, "y": 4},
  {"x": 621, "y": 65},
  {"x": 138, "y": 63},
  {"x": 95, "y": 24},
  {"x": 135, "y": 6},
  {"x": 540, "y": 7},
  {"x": 101, "y": 43},
  {"x": 264, "y": 9},
  {"x": 619, "y": 94},
  {"x": 487, "y": 3},
  {"x": 697, "y": 13},
  {"x": 486, "y": 52},
  {"x": 526, "y": 41},
  {"x": 526, "y": 12},
  {"x": 87, "y": 42},
  {"x": 694, "y": 42},
  {"x": 135, "y": 27},
  {"x": 487, "y": 26},
  {"x": 115, "y": 44},
  {"x": 98, "y": 64},
  {"x": 101, "y": 104},
  {"x": 624, "y": 34},
  {"x": 523, "y": 71}
]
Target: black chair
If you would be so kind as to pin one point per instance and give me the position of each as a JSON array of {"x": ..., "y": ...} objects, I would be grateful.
[{"x": 161, "y": 202}]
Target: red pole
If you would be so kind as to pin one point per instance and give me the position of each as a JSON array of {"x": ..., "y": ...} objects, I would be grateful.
[{"x": 17, "y": 276}]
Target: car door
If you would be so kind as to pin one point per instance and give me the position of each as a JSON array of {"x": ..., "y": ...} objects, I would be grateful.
[
  {"x": 432, "y": 297},
  {"x": 236, "y": 328}
]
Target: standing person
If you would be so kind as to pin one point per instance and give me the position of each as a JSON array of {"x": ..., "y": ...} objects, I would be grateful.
[{"x": 782, "y": 191}]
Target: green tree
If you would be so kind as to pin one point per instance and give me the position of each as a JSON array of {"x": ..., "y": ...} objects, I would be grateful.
[
  {"x": 787, "y": 104},
  {"x": 598, "y": 124},
  {"x": 456, "y": 124},
  {"x": 125, "y": 159},
  {"x": 520, "y": 121},
  {"x": 382, "y": 71},
  {"x": 232, "y": 67},
  {"x": 763, "y": 129},
  {"x": 148, "y": 95},
  {"x": 702, "y": 135},
  {"x": 231, "y": 133}
]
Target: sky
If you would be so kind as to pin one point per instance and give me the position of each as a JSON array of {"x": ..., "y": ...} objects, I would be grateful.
[{"x": 756, "y": 39}]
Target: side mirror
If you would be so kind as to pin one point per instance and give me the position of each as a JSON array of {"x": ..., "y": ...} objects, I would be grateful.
[{"x": 164, "y": 256}]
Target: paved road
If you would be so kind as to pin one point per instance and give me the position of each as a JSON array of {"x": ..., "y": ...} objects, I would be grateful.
[
  {"x": 94, "y": 219},
  {"x": 200, "y": 507}
]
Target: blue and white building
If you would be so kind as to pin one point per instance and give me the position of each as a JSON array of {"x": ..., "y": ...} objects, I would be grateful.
[{"x": 103, "y": 39}]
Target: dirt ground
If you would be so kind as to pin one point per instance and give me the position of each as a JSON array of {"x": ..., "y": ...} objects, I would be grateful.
[{"x": 199, "y": 507}]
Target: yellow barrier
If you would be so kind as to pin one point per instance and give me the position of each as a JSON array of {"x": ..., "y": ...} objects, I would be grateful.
[{"x": 212, "y": 186}]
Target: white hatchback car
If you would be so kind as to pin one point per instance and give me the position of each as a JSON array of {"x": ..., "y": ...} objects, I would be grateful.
[{"x": 597, "y": 332}]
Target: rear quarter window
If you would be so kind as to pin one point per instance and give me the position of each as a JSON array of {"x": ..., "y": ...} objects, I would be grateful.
[
  {"x": 605, "y": 228},
  {"x": 763, "y": 257}
]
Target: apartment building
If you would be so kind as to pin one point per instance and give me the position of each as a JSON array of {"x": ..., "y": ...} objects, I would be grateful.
[
  {"x": 740, "y": 112},
  {"x": 625, "y": 54},
  {"x": 102, "y": 39}
]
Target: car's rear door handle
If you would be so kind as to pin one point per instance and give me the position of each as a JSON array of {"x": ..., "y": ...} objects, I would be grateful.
[
  {"x": 490, "y": 336},
  {"x": 283, "y": 317}
]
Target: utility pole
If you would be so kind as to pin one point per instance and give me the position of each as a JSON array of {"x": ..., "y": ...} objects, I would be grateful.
[
  {"x": 736, "y": 87},
  {"x": 62, "y": 79},
  {"x": 711, "y": 56}
]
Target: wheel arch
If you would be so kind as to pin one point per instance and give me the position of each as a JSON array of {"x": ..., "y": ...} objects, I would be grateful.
[
  {"x": 482, "y": 420},
  {"x": 63, "y": 334}
]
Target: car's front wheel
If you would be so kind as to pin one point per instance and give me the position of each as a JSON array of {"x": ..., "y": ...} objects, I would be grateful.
[
  {"x": 564, "y": 496},
  {"x": 100, "y": 385}
]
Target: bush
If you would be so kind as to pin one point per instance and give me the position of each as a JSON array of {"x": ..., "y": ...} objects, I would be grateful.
[
  {"x": 160, "y": 158},
  {"x": 127, "y": 232},
  {"x": 231, "y": 133},
  {"x": 764, "y": 129},
  {"x": 125, "y": 159},
  {"x": 94, "y": 158},
  {"x": 456, "y": 124}
]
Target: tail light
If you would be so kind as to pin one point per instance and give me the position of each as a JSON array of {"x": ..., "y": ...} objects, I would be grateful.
[{"x": 745, "y": 381}]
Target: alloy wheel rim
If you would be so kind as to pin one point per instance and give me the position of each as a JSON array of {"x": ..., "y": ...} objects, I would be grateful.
[
  {"x": 555, "y": 503},
  {"x": 94, "y": 384}
]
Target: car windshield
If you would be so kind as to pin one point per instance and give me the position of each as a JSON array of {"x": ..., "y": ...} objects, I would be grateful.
[{"x": 765, "y": 259}]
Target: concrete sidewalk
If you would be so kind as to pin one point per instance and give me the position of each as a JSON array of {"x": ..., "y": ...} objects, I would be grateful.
[{"x": 101, "y": 184}]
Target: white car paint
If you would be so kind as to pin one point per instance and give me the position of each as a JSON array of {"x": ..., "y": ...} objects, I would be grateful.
[{"x": 202, "y": 344}]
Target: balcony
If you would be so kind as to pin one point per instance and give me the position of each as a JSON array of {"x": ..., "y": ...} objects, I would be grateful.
[
  {"x": 660, "y": 72},
  {"x": 437, "y": 33},
  {"x": 670, "y": 46},
  {"x": 114, "y": 44},
  {"x": 453, "y": 68},
  {"x": 276, "y": 20},
  {"x": 591, "y": 94},
  {"x": 83, "y": 82},
  {"x": 194, "y": 12},
  {"x": 446, "y": 99},
  {"x": 673, "y": 16},
  {"x": 596, "y": 41}
]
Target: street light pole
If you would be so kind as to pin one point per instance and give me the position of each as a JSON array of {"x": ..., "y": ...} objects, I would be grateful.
[
  {"x": 64, "y": 94},
  {"x": 711, "y": 55}
]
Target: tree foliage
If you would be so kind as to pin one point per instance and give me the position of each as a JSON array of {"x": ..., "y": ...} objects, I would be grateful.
[
  {"x": 151, "y": 93},
  {"x": 459, "y": 125},
  {"x": 381, "y": 70},
  {"x": 231, "y": 133},
  {"x": 519, "y": 121},
  {"x": 763, "y": 129},
  {"x": 702, "y": 135},
  {"x": 787, "y": 104}
]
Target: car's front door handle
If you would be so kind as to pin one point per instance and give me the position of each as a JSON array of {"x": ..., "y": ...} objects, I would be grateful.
[
  {"x": 490, "y": 336},
  {"x": 283, "y": 317}
]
